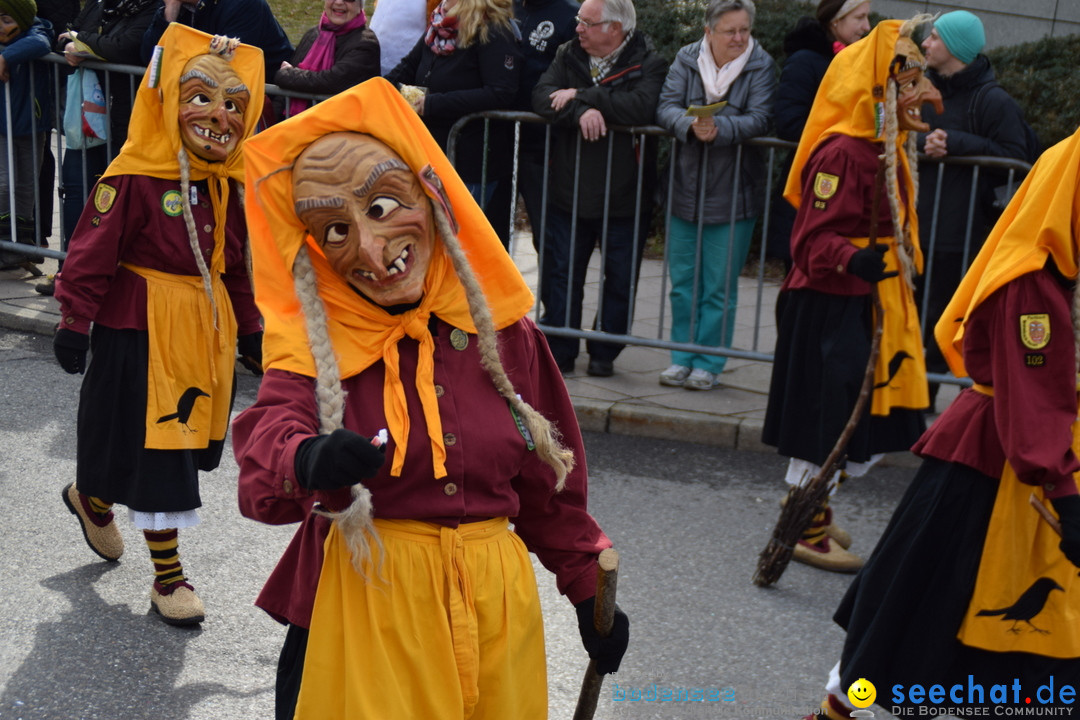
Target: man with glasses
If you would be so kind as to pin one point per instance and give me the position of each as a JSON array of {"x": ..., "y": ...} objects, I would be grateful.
[{"x": 600, "y": 186}]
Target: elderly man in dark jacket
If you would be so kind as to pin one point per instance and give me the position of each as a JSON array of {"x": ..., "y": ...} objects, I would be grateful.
[
  {"x": 980, "y": 118},
  {"x": 609, "y": 75}
]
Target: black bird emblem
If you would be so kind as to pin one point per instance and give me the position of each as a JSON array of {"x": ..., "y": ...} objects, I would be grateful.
[
  {"x": 894, "y": 367},
  {"x": 184, "y": 407},
  {"x": 1029, "y": 604}
]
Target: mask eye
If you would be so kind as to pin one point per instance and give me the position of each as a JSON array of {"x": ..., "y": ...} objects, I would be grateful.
[
  {"x": 199, "y": 99},
  {"x": 381, "y": 207},
  {"x": 336, "y": 234}
]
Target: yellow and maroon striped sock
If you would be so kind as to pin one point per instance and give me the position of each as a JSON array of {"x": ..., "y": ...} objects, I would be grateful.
[{"x": 165, "y": 553}]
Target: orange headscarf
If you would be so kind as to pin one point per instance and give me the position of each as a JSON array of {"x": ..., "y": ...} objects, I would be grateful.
[
  {"x": 363, "y": 333},
  {"x": 153, "y": 140},
  {"x": 1040, "y": 222},
  {"x": 851, "y": 101}
]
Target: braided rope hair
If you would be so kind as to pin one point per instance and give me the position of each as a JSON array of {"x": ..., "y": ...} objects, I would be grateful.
[
  {"x": 356, "y": 522},
  {"x": 193, "y": 234},
  {"x": 905, "y": 252}
]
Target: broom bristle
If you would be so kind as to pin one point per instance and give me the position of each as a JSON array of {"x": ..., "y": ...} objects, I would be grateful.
[{"x": 796, "y": 515}]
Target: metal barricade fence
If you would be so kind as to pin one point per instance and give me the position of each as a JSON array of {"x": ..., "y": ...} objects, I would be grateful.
[
  {"x": 1014, "y": 170},
  {"x": 35, "y": 246}
]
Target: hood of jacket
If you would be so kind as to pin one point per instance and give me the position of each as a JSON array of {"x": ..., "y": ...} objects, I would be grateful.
[{"x": 808, "y": 35}]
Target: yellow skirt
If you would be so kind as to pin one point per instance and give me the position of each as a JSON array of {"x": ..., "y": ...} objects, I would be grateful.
[{"x": 448, "y": 627}]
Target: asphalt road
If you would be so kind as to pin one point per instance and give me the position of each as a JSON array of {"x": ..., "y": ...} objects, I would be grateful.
[{"x": 79, "y": 642}]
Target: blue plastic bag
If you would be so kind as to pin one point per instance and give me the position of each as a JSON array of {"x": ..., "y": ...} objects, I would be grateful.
[{"x": 85, "y": 120}]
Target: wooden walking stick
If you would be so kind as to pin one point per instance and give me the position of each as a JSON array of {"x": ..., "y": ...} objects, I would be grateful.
[
  {"x": 1044, "y": 511},
  {"x": 607, "y": 576},
  {"x": 803, "y": 501}
]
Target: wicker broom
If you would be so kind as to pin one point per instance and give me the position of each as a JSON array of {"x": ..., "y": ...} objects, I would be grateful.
[{"x": 805, "y": 500}]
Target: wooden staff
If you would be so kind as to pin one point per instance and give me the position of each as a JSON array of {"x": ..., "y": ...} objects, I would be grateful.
[
  {"x": 1045, "y": 512},
  {"x": 607, "y": 577},
  {"x": 803, "y": 501}
]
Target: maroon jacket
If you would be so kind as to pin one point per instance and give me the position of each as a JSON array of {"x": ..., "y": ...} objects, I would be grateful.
[
  {"x": 1028, "y": 421},
  {"x": 492, "y": 471}
]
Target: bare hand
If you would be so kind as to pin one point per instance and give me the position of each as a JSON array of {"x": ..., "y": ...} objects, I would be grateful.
[
  {"x": 704, "y": 129},
  {"x": 64, "y": 36},
  {"x": 936, "y": 145},
  {"x": 559, "y": 98},
  {"x": 4, "y": 74},
  {"x": 284, "y": 64},
  {"x": 592, "y": 125},
  {"x": 69, "y": 54},
  {"x": 418, "y": 105}
]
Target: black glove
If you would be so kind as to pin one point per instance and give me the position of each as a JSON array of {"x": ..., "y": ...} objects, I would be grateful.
[
  {"x": 1068, "y": 510},
  {"x": 337, "y": 460},
  {"x": 869, "y": 264},
  {"x": 70, "y": 348},
  {"x": 250, "y": 350},
  {"x": 607, "y": 652}
]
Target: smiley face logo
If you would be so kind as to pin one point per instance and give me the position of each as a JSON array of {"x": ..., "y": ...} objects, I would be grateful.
[{"x": 862, "y": 693}]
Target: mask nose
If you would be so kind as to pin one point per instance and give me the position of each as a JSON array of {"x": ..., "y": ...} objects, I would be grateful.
[
  {"x": 370, "y": 250},
  {"x": 931, "y": 95}
]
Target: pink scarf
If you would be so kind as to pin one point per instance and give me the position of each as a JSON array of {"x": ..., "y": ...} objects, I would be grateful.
[
  {"x": 321, "y": 54},
  {"x": 442, "y": 32}
]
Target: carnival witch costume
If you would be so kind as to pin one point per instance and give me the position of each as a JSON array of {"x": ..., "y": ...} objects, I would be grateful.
[
  {"x": 156, "y": 266},
  {"x": 390, "y": 304},
  {"x": 868, "y": 104}
]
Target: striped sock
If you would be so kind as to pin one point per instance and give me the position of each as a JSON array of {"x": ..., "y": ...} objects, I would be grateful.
[
  {"x": 99, "y": 506},
  {"x": 165, "y": 553},
  {"x": 816, "y": 532}
]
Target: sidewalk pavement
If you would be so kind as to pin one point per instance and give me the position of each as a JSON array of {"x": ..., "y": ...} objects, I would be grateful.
[{"x": 632, "y": 402}]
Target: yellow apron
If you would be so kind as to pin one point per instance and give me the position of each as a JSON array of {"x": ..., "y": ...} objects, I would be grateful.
[
  {"x": 190, "y": 369},
  {"x": 900, "y": 373},
  {"x": 1027, "y": 593},
  {"x": 446, "y": 627}
]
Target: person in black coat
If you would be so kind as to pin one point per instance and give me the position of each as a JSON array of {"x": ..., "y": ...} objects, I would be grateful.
[
  {"x": 468, "y": 61},
  {"x": 980, "y": 118}
]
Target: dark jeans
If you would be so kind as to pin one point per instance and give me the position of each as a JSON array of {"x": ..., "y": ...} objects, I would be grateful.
[
  {"x": 562, "y": 290},
  {"x": 80, "y": 170}
]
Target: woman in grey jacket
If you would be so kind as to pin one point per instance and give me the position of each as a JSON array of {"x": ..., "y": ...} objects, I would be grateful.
[{"x": 717, "y": 182}]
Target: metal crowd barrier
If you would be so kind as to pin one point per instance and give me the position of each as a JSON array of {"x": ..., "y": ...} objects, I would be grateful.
[{"x": 36, "y": 248}]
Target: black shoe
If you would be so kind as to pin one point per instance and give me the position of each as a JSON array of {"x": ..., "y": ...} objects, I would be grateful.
[
  {"x": 601, "y": 368},
  {"x": 566, "y": 365},
  {"x": 47, "y": 287}
]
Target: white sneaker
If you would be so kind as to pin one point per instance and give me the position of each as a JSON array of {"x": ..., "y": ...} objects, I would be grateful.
[
  {"x": 701, "y": 380},
  {"x": 674, "y": 376}
]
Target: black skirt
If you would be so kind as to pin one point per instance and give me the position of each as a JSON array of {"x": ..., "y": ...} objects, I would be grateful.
[
  {"x": 903, "y": 610},
  {"x": 113, "y": 462},
  {"x": 822, "y": 347}
]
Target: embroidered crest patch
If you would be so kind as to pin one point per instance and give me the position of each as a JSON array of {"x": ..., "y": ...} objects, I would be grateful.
[
  {"x": 104, "y": 197},
  {"x": 825, "y": 185},
  {"x": 1035, "y": 330},
  {"x": 172, "y": 203}
]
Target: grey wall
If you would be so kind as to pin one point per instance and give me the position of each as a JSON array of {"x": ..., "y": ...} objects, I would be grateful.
[{"x": 1007, "y": 22}]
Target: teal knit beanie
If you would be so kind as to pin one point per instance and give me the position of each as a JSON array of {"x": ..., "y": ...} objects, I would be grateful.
[
  {"x": 962, "y": 33},
  {"x": 21, "y": 11}
]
